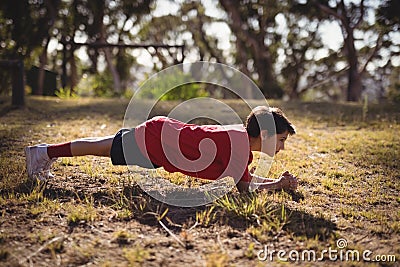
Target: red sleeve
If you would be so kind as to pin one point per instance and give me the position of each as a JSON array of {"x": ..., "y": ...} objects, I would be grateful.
[{"x": 246, "y": 177}]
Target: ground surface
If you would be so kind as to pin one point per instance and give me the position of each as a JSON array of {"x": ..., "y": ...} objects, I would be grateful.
[{"x": 94, "y": 214}]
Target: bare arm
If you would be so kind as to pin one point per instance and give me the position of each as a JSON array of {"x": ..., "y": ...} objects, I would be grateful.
[
  {"x": 260, "y": 179},
  {"x": 287, "y": 182}
]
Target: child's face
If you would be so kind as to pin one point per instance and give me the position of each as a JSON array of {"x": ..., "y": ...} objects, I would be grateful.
[{"x": 271, "y": 145}]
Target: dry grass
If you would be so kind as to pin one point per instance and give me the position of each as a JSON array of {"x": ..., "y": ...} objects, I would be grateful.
[{"x": 346, "y": 157}]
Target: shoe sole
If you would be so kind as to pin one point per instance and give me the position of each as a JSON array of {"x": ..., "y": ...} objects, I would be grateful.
[{"x": 28, "y": 161}]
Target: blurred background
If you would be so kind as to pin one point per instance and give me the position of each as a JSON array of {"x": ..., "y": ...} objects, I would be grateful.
[{"x": 328, "y": 50}]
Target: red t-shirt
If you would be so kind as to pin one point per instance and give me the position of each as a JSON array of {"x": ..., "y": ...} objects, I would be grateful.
[{"x": 203, "y": 151}]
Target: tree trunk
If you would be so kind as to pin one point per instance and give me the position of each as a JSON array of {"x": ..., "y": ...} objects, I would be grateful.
[
  {"x": 349, "y": 19},
  {"x": 267, "y": 82},
  {"x": 354, "y": 86},
  {"x": 253, "y": 47},
  {"x": 294, "y": 93},
  {"x": 107, "y": 51},
  {"x": 74, "y": 72},
  {"x": 113, "y": 70},
  {"x": 42, "y": 72}
]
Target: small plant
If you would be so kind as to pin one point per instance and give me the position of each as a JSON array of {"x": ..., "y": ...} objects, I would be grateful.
[
  {"x": 123, "y": 237},
  {"x": 69, "y": 162},
  {"x": 85, "y": 212},
  {"x": 136, "y": 255},
  {"x": 56, "y": 247},
  {"x": 249, "y": 207},
  {"x": 250, "y": 253},
  {"x": 66, "y": 93},
  {"x": 36, "y": 195},
  {"x": 83, "y": 253},
  {"x": 124, "y": 214},
  {"x": 217, "y": 260},
  {"x": 206, "y": 217}
]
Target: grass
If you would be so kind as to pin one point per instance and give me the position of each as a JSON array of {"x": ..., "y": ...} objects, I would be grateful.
[
  {"x": 346, "y": 157},
  {"x": 136, "y": 255},
  {"x": 81, "y": 212}
]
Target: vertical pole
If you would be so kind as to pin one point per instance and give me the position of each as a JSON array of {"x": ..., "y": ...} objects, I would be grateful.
[{"x": 18, "y": 84}]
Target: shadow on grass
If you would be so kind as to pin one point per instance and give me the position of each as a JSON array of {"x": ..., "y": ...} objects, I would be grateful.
[
  {"x": 305, "y": 224},
  {"x": 299, "y": 223}
]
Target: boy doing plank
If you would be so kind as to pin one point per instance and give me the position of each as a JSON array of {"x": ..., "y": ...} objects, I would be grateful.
[{"x": 202, "y": 151}]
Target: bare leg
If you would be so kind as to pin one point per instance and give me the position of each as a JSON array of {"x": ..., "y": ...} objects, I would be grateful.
[
  {"x": 40, "y": 157},
  {"x": 97, "y": 146}
]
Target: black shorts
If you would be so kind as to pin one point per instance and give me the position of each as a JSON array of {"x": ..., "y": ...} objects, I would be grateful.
[{"x": 125, "y": 151}]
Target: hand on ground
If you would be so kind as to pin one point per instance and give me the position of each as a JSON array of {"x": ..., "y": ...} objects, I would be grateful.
[{"x": 288, "y": 181}]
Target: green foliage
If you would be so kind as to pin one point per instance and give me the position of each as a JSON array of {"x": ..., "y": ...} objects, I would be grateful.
[
  {"x": 65, "y": 93},
  {"x": 100, "y": 84},
  {"x": 103, "y": 84},
  {"x": 263, "y": 50},
  {"x": 175, "y": 86},
  {"x": 23, "y": 26},
  {"x": 185, "y": 92}
]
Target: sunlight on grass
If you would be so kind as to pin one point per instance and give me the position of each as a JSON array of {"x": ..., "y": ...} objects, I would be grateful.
[
  {"x": 83, "y": 211},
  {"x": 45, "y": 206},
  {"x": 246, "y": 206},
  {"x": 206, "y": 217},
  {"x": 262, "y": 217},
  {"x": 11, "y": 171}
]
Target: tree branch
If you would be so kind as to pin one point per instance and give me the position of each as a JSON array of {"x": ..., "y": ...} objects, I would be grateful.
[
  {"x": 329, "y": 11},
  {"x": 237, "y": 23},
  {"x": 360, "y": 19},
  {"x": 325, "y": 80},
  {"x": 376, "y": 48}
]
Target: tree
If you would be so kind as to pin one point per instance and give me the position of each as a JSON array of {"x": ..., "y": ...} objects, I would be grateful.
[
  {"x": 389, "y": 14},
  {"x": 388, "y": 17},
  {"x": 252, "y": 24},
  {"x": 351, "y": 18},
  {"x": 189, "y": 26},
  {"x": 100, "y": 22},
  {"x": 301, "y": 37},
  {"x": 118, "y": 14},
  {"x": 25, "y": 27}
]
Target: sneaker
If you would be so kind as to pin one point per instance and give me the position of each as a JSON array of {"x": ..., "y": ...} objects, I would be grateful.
[{"x": 38, "y": 163}]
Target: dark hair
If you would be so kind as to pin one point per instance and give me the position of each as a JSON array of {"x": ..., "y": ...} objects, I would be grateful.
[{"x": 264, "y": 118}]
